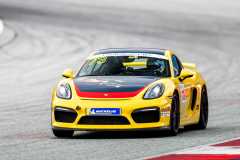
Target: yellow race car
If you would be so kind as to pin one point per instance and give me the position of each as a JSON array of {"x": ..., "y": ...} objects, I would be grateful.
[{"x": 130, "y": 89}]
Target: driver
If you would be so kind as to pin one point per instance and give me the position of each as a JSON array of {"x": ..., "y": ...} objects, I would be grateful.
[
  {"x": 155, "y": 65},
  {"x": 151, "y": 65},
  {"x": 114, "y": 66}
]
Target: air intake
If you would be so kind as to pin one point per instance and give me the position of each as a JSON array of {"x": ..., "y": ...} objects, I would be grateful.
[
  {"x": 146, "y": 115},
  {"x": 104, "y": 120},
  {"x": 65, "y": 115}
]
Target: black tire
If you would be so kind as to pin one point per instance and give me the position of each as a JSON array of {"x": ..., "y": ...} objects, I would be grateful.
[
  {"x": 175, "y": 115},
  {"x": 59, "y": 133},
  {"x": 203, "y": 119}
]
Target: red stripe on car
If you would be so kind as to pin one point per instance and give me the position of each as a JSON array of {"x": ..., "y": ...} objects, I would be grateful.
[{"x": 107, "y": 94}]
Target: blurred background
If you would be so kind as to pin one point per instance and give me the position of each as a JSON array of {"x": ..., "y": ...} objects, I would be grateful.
[{"x": 42, "y": 38}]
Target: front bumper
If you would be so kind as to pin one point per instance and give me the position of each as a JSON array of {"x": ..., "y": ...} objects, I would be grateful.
[{"x": 127, "y": 107}]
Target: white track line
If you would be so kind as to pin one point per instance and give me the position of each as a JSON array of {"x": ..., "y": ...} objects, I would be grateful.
[
  {"x": 194, "y": 149},
  {"x": 1, "y": 26}
]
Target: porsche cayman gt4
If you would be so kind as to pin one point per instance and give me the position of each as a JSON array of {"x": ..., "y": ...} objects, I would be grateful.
[{"x": 130, "y": 89}]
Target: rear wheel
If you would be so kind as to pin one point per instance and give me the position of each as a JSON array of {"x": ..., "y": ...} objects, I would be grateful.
[
  {"x": 203, "y": 120},
  {"x": 59, "y": 133},
  {"x": 175, "y": 115}
]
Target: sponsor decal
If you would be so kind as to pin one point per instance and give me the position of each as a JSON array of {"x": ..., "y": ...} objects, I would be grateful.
[
  {"x": 98, "y": 59},
  {"x": 85, "y": 79},
  {"x": 103, "y": 111},
  {"x": 109, "y": 82},
  {"x": 183, "y": 93},
  {"x": 165, "y": 114},
  {"x": 165, "y": 109}
]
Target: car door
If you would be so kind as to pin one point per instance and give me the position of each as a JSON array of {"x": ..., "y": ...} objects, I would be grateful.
[{"x": 185, "y": 88}]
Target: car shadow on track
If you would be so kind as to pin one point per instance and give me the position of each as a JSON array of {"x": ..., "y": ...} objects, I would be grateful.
[{"x": 122, "y": 134}]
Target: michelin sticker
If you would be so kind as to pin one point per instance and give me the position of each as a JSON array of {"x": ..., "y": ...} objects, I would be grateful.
[
  {"x": 183, "y": 93},
  {"x": 103, "y": 111}
]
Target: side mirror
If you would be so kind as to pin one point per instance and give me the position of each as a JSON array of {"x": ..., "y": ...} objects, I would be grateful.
[
  {"x": 67, "y": 73},
  {"x": 185, "y": 73}
]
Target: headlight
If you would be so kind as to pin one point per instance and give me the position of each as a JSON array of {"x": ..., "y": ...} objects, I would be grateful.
[
  {"x": 154, "y": 91},
  {"x": 64, "y": 91}
]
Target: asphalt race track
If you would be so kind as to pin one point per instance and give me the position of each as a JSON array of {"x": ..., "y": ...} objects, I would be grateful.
[{"x": 42, "y": 38}]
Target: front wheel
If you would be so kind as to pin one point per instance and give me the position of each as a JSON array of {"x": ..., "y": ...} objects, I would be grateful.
[
  {"x": 175, "y": 115},
  {"x": 59, "y": 133}
]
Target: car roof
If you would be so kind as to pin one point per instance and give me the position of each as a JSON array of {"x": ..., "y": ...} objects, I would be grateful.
[{"x": 131, "y": 50}]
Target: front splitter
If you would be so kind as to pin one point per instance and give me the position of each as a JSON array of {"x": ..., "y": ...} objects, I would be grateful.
[{"x": 137, "y": 129}]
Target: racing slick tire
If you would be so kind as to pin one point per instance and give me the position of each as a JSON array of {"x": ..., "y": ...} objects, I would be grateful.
[
  {"x": 175, "y": 115},
  {"x": 203, "y": 119},
  {"x": 59, "y": 133}
]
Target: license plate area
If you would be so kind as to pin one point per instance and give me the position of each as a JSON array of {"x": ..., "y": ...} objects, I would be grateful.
[{"x": 103, "y": 111}]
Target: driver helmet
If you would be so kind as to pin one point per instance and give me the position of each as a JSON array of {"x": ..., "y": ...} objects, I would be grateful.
[{"x": 153, "y": 64}]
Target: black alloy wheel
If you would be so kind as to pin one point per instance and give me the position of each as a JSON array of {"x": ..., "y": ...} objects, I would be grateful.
[
  {"x": 203, "y": 119},
  {"x": 59, "y": 133},
  {"x": 175, "y": 115}
]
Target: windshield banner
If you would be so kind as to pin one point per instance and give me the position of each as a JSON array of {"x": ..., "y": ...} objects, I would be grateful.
[{"x": 128, "y": 54}]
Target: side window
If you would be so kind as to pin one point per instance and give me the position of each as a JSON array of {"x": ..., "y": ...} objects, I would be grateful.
[
  {"x": 177, "y": 68},
  {"x": 179, "y": 65}
]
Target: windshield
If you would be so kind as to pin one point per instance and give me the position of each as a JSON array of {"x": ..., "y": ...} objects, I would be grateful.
[{"x": 122, "y": 64}]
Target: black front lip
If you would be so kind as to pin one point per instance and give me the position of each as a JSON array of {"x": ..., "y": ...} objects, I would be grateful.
[{"x": 138, "y": 129}]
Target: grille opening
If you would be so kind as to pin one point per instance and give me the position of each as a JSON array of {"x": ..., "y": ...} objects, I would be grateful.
[
  {"x": 194, "y": 97},
  {"x": 104, "y": 120},
  {"x": 68, "y": 116},
  {"x": 146, "y": 116}
]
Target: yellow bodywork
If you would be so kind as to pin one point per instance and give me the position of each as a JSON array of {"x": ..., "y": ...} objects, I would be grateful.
[{"x": 128, "y": 105}]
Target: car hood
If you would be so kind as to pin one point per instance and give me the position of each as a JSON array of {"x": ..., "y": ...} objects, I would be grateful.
[{"x": 111, "y": 86}]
